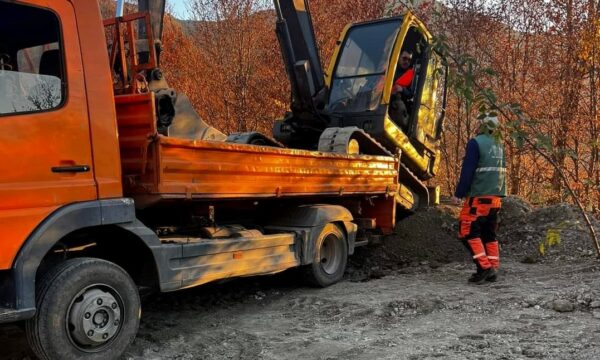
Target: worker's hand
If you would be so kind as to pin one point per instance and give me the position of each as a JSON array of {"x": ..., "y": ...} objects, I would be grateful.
[{"x": 455, "y": 200}]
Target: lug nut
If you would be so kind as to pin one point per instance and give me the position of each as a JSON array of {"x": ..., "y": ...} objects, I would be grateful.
[
  {"x": 104, "y": 336},
  {"x": 99, "y": 302},
  {"x": 114, "y": 305},
  {"x": 91, "y": 333},
  {"x": 116, "y": 322},
  {"x": 88, "y": 315}
]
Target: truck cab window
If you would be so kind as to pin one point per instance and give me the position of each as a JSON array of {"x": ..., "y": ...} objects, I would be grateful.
[{"x": 31, "y": 60}]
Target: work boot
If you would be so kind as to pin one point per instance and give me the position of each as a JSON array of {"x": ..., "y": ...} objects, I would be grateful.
[
  {"x": 482, "y": 276},
  {"x": 475, "y": 276},
  {"x": 493, "y": 277}
]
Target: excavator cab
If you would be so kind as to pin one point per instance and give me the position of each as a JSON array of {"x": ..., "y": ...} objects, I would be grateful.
[
  {"x": 361, "y": 80},
  {"x": 358, "y": 78}
]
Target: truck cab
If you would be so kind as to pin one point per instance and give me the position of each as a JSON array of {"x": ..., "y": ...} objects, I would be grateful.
[{"x": 59, "y": 146}]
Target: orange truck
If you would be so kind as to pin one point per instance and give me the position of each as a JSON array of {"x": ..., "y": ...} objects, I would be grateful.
[{"x": 112, "y": 184}]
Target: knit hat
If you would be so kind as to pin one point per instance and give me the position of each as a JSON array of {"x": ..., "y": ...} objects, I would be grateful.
[{"x": 490, "y": 122}]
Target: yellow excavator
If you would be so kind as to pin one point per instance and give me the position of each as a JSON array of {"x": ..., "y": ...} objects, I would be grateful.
[{"x": 352, "y": 107}]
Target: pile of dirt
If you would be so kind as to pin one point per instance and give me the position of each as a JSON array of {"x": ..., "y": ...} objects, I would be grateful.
[
  {"x": 429, "y": 238},
  {"x": 559, "y": 231},
  {"x": 514, "y": 208},
  {"x": 426, "y": 238},
  {"x": 429, "y": 235}
]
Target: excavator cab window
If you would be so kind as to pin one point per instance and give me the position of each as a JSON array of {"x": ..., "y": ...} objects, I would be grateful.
[
  {"x": 31, "y": 60},
  {"x": 404, "y": 103},
  {"x": 359, "y": 76}
]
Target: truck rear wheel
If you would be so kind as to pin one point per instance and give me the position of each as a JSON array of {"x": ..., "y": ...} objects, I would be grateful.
[
  {"x": 330, "y": 257},
  {"x": 86, "y": 309}
]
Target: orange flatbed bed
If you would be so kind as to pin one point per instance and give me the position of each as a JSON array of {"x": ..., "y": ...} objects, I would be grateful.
[{"x": 156, "y": 167}]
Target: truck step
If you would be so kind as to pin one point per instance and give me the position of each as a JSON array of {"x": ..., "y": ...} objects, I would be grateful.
[
  {"x": 361, "y": 243},
  {"x": 8, "y": 315}
]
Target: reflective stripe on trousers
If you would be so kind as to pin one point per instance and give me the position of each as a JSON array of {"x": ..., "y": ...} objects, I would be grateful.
[{"x": 478, "y": 223}]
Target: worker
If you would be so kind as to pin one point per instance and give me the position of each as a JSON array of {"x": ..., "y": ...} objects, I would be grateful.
[
  {"x": 482, "y": 184},
  {"x": 406, "y": 72},
  {"x": 400, "y": 107}
]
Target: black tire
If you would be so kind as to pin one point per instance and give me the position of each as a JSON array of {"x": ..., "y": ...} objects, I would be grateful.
[
  {"x": 330, "y": 257},
  {"x": 75, "y": 295}
]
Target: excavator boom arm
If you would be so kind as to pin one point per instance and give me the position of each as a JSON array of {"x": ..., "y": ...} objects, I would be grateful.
[
  {"x": 156, "y": 8},
  {"x": 300, "y": 52}
]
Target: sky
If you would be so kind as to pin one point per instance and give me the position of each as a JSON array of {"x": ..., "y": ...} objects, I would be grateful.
[{"x": 179, "y": 8}]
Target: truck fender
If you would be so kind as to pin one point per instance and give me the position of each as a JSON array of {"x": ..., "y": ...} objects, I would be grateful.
[
  {"x": 309, "y": 220},
  {"x": 57, "y": 225}
]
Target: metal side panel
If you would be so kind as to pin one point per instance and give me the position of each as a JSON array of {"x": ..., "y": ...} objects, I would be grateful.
[
  {"x": 204, "y": 260},
  {"x": 209, "y": 170}
]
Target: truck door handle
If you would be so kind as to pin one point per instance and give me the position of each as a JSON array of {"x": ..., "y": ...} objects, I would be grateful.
[{"x": 70, "y": 169}]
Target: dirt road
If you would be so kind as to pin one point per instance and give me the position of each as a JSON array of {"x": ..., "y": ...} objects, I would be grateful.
[
  {"x": 407, "y": 298},
  {"x": 412, "y": 313}
]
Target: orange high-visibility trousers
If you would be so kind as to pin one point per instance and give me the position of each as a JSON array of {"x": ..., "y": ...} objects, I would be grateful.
[{"x": 478, "y": 223}]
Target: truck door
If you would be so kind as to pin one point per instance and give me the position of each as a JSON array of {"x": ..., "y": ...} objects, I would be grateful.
[{"x": 45, "y": 148}]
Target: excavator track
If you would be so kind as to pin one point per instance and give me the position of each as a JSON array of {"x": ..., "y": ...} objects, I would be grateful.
[
  {"x": 339, "y": 140},
  {"x": 412, "y": 193},
  {"x": 410, "y": 183},
  {"x": 253, "y": 138}
]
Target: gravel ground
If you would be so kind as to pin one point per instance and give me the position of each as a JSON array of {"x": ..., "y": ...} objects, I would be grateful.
[{"x": 397, "y": 302}]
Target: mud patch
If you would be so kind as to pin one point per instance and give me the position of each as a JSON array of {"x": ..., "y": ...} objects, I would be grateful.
[{"x": 326, "y": 310}]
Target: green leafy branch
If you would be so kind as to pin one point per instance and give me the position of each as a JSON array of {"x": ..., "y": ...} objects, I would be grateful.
[{"x": 553, "y": 236}]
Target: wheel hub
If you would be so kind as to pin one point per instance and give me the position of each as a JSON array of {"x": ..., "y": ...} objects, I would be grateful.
[
  {"x": 330, "y": 254},
  {"x": 94, "y": 317}
]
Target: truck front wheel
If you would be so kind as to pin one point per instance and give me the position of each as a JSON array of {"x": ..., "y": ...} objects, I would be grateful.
[
  {"x": 86, "y": 309},
  {"x": 330, "y": 257}
]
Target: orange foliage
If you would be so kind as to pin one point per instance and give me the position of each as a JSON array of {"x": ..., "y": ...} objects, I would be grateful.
[
  {"x": 545, "y": 58},
  {"x": 545, "y": 54},
  {"x": 229, "y": 63}
]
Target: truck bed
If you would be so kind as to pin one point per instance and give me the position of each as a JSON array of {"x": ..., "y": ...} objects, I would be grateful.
[{"x": 156, "y": 167}]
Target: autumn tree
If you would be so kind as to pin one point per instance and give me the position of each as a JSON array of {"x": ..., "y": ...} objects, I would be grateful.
[
  {"x": 239, "y": 76},
  {"x": 541, "y": 54},
  {"x": 537, "y": 54}
]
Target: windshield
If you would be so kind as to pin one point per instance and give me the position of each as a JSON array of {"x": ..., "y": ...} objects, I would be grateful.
[{"x": 360, "y": 72}]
